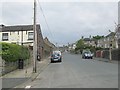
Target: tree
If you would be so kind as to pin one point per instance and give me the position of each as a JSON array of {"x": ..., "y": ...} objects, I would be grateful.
[
  {"x": 96, "y": 38},
  {"x": 80, "y": 45}
]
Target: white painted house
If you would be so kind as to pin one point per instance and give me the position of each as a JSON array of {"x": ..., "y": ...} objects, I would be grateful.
[{"x": 21, "y": 34}]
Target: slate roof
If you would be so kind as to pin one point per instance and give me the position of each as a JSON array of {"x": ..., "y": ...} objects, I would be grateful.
[
  {"x": 86, "y": 39},
  {"x": 18, "y": 28}
]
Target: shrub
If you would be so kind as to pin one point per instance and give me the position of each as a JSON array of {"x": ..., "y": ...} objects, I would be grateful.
[{"x": 13, "y": 52}]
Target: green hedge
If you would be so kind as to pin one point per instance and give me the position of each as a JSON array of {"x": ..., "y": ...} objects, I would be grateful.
[{"x": 13, "y": 52}]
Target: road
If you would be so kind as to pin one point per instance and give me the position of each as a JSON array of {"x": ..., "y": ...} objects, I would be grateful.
[{"x": 75, "y": 72}]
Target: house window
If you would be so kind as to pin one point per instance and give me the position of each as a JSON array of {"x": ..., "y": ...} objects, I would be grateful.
[
  {"x": 5, "y": 36},
  {"x": 30, "y": 35}
]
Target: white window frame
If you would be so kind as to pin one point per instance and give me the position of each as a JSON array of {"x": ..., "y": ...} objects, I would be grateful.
[{"x": 30, "y": 37}]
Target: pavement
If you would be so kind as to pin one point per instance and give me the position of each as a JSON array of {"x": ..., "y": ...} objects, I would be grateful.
[
  {"x": 75, "y": 72},
  {"x": 20, "y": 76},
  {"x": 106, "y": 60}
]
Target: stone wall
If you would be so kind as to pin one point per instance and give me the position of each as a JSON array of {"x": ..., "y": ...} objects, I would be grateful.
[
  {"x": 6, "y": 67},
  {"x": 105, "y": 54}
]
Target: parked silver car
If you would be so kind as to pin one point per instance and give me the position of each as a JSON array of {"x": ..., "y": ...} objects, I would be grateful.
[
  {"x": 87, "y": 55},
  {"x": 56, "y": 56}
]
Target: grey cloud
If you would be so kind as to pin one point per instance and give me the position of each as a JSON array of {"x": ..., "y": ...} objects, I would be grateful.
[
  {"x": 16, "y": 13},
  {"x": 67, "y": 21}
]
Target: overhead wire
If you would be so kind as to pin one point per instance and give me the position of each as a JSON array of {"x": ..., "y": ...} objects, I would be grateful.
[{"x": 49, "y": 30}]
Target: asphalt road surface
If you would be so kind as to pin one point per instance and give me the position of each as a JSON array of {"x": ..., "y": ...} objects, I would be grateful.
[{"x": 75, "y": 72}]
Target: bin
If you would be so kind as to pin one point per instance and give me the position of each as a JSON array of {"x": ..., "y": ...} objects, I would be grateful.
[{"x": 20, "y": 64}]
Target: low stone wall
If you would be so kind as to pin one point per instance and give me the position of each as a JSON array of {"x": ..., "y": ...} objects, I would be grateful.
[
  {"x": 6, "y": 67},
  {"x": 105, "y": 54},
  {"x": 46, "y": 53},
  {"x": 11, "y": 66},
  {"x": 116, "y": 54}
]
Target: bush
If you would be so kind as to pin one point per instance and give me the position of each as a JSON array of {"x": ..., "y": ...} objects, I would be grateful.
[{"x": 13, "y": 52}]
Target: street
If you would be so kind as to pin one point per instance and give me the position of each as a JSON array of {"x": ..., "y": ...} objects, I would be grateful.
[{"x": 75, "y": 72}]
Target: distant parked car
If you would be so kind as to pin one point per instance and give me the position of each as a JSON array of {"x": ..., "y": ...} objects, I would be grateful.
[
  {"x": 87, "y": 55},
  {"x": 56, "y": 56}
]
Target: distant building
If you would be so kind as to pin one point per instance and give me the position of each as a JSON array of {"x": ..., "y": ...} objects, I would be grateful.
[
  {"x": 48, "y": 47},
  {"x": 72, "y": 46},
  {"x": 89, "y": 41}
]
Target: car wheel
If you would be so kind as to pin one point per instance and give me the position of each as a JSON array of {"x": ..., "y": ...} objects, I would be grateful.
[{"x": 60, "y": 60}]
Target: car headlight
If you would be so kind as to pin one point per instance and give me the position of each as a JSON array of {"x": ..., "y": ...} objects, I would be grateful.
[
  {"x": 86, "y": 54},
  {"x": 91, "y": 54}
]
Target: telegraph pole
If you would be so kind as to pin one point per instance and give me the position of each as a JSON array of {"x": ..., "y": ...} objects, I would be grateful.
[{"x": 35, "y": 40}]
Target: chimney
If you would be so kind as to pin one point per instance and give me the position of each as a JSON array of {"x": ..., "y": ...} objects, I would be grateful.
[{"x": 2, "y": 25}]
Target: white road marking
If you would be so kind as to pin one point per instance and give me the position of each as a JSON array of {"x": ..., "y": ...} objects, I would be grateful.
[{"x": 27, "y": 87}]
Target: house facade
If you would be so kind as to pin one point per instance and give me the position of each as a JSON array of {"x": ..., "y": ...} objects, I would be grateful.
[
  {"x": 108, "y": 41},
  {"x": 22, "y": 35},
  {"x": 89, "y": 41}
]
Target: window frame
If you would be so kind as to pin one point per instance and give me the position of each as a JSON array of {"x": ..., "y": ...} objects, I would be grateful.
[
  {"x": 29, "y": 36},
  {"x": 3, "y": 35}
]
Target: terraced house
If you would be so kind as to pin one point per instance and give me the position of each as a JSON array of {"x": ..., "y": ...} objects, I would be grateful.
[
  {"x": 108, "y": 41},
  {"x": 22, "y": 35}
]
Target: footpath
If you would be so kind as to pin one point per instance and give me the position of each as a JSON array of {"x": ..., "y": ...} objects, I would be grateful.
[
  {"x": 20, "y": 76},
  {"x": 106, "y": 60}
]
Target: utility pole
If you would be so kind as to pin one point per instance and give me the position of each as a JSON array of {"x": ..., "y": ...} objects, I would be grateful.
[
  {"x": 110, "y": 46},
  {"x": 34, "y": 41},
  {"x": 110, "y": 56}
]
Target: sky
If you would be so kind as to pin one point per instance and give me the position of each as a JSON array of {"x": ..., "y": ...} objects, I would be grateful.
[{"x": 68, "y": 20}]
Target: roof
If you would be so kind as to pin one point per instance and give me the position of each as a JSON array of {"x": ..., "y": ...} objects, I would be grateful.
[
  {"x": 111, "y": 34},
  {"x": 46, "y": 40},
  {"x": 86, "y": 39},
  {"x": 18, "y": 28}
]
